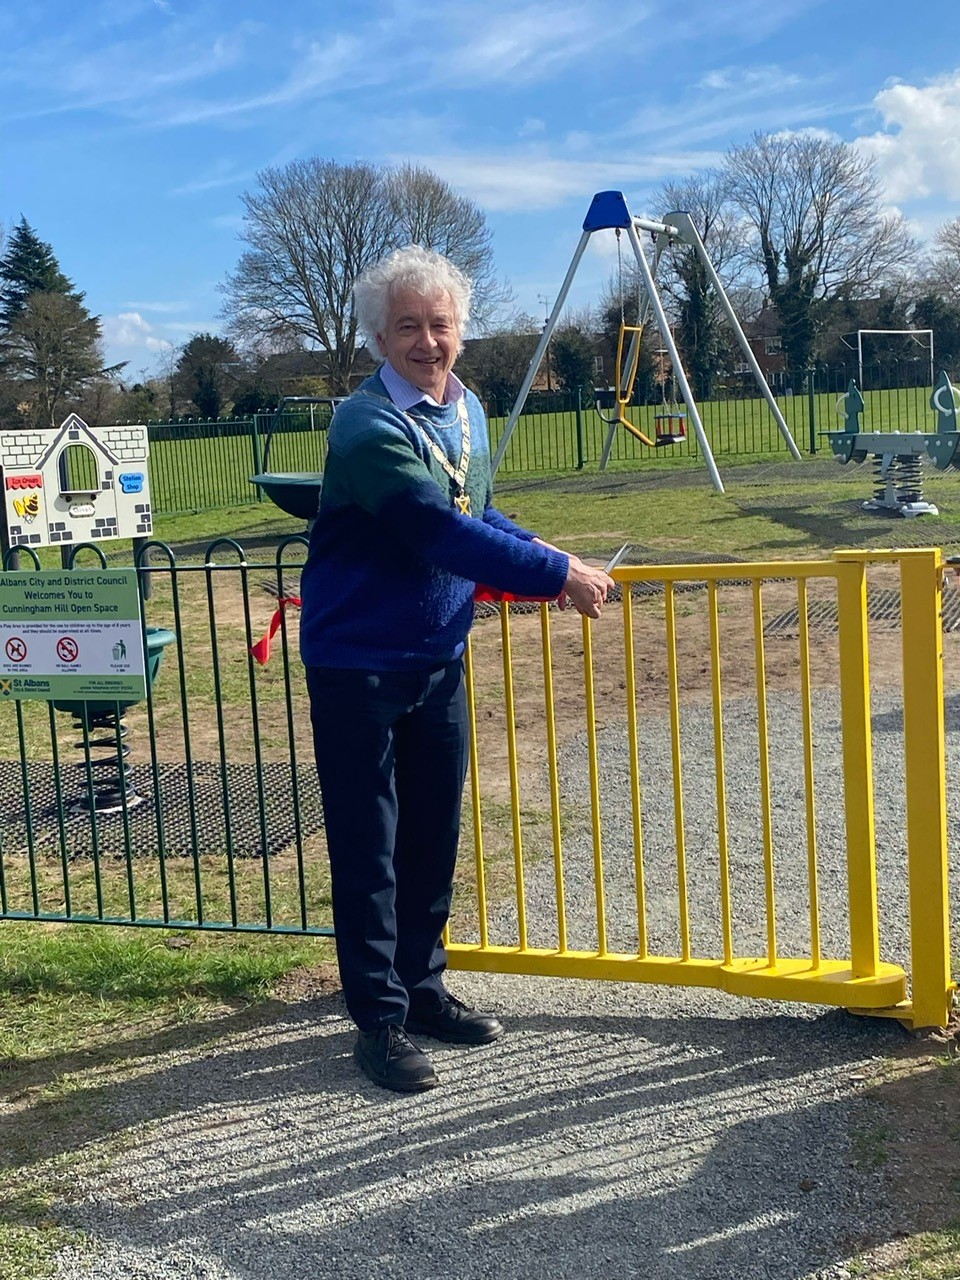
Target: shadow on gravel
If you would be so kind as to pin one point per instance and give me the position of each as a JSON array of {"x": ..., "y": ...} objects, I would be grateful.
[
  {"x": 18, "y": 1076},
  {"x": 613, "y": 1147}
]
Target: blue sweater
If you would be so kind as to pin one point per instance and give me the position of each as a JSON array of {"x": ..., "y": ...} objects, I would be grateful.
[{"x": 388, "y": 583}]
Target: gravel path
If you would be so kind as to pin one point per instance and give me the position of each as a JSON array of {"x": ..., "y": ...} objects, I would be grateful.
[{"x": 616, "y": 1132}]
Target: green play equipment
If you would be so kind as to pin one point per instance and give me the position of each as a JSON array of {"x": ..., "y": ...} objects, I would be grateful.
[
  {"x": 898, "y": 455},
  {"x": 107, "y": 775}
]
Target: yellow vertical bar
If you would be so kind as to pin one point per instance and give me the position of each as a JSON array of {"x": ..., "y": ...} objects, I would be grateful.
[
  {"x": 726, "y": 915},
  {"x": 764, "y": 749},
  {"x": 591, "y": 709},
  {"x": 514, "y": 775},
  {"x": 673, "y": 681},
  {"x": 807, "y": 714},
  {"x": 857, "y": 762},
  {"x": 475, "y": 798},
  {"x": 554, "y": 780},
  {"x": 924, "y": 749},
  {"x": 633, "y": 739}
]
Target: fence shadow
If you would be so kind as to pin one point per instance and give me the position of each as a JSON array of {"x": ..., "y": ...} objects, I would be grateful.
[{"x": 583, "y": 1144}]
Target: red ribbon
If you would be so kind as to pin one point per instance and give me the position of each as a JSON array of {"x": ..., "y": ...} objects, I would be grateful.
[
  {"x": 261, "y": 650},
  {"x": 482, "y": 594}
]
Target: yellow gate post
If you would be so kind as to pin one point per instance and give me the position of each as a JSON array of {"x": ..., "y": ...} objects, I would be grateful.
[
  {"x": 857, "y": 762},
  {"x": 921, "y": 584}
]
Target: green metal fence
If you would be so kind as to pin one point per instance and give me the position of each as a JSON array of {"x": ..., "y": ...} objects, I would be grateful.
[
  {"x": 197, "y": 808},
  {"x": 558, "y": 432},
  {"x": 202, "y": 466},
  {"x": 198, "y": 466}
]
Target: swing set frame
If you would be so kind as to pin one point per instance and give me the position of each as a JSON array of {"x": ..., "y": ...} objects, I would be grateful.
[{"x": 608, "y": 211}]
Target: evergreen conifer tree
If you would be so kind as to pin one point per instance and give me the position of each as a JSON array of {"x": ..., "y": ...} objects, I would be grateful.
[{"x": 28, "y": 266}]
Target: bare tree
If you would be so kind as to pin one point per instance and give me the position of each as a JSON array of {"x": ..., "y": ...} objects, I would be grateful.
[
  {"x": 573, "y": 352},
  {"x": 724, "y": 231},
  {"x": 311, "y": 229},
  {"x": 934, "y": 301},
  {"x": 619, "y": 304},
  {"x": 430, "y": 213},
  {"x": 945, "y": 263},
  {"x": 820, "y": 229},
  {"x": 312, "y": 226}
]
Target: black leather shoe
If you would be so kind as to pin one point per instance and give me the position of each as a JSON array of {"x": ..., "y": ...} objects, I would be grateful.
[
  {"x": 390, "y": 1059},
  {"x": 451, "y": 1020}
]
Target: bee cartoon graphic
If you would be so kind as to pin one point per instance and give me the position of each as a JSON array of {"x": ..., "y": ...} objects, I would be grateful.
[{"x": 27, "y": 507}]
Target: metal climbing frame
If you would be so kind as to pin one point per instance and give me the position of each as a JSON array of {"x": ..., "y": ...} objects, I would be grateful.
[{"x": 608, "y": 211}]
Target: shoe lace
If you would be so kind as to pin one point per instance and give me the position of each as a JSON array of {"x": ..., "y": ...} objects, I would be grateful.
[{"x": 397, "y": 1038}]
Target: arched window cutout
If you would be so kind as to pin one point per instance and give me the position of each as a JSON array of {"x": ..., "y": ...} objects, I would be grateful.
[{"x": 79, "y": 471}]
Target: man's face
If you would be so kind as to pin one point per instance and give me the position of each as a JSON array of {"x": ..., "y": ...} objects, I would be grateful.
[{"x": 422, "y": 339}]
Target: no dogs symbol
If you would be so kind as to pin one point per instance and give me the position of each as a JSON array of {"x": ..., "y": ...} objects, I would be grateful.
[{"x": 16, "y": 649}]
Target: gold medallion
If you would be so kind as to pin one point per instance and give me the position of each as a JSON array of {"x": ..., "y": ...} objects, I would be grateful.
[{"x": 463, "y": 503}]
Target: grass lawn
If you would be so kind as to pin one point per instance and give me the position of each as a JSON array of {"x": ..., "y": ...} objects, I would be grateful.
[
  {"x": 74, "y": 999},
  {"x": 210, "y": 468}
]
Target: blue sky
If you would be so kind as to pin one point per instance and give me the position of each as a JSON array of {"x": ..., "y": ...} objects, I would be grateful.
[{"x": 132, "y": 126}]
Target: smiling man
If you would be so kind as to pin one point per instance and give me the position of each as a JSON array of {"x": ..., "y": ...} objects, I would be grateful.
[
  {"x": 421, "y": 340},
  {"x": 405, "y": 530}
]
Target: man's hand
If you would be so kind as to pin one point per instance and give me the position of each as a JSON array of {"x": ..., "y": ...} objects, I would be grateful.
[{"x": 585, "y": 588}]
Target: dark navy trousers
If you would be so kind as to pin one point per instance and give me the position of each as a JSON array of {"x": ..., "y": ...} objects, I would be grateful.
[{"x": 391, "y": 750}]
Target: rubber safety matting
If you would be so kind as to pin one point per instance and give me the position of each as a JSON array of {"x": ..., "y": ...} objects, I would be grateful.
[
  {"x": 211, "y": 808},
  {"x": 883, "y": 609}
]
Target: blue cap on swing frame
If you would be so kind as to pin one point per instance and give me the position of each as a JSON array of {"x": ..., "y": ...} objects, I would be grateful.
[{"x": 607, "y": 209}]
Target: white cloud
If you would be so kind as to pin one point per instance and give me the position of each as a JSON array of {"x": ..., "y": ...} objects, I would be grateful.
[
  {"x": 189, "y": 326},
  {"x": 128, "y": 330},
  {"x": 527, "y": 182},
  {"x": 748, "y": 81},
  {"x": 579, "y": 140},
  {"x": 730, "y": 101},
  {"x": 918, "y": 150},
  {"x": 223, "y": 174},
  {"x": 129, "y": 75},
  {"x": 322, "y": 69},
  {"x": 227, "y": 221},
  {"x": 159, "y": 307},
  {"x": 528, "y": 43},
  {"x": 531, "y": 126}
]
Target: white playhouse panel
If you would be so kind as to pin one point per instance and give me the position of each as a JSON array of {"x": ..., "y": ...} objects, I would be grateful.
[{"x": 42, "y": 508}]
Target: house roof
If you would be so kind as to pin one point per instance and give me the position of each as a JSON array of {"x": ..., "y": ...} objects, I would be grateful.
[{"x": 75, "y": 423}]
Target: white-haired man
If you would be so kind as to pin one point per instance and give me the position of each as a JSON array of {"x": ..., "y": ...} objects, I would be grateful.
[{"x": 406, "y": 528}]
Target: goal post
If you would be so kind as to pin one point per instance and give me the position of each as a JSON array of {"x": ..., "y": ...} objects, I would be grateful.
[{"x": 914, "y": 333}]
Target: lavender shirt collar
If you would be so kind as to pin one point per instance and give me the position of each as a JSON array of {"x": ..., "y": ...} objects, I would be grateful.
[{"x": 405, "y": 395}]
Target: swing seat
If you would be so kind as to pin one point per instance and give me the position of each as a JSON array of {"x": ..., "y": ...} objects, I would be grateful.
[{"x": 671, "y": 428}]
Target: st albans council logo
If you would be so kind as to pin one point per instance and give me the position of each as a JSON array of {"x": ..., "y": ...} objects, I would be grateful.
[{"x": 9, "y": 688}]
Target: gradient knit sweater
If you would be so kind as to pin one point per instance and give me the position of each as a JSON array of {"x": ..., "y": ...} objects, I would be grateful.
[{"x": 388, "y": 583}]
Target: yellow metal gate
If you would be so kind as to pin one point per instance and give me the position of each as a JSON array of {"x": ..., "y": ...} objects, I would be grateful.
[{"x": 713, "y": 889}]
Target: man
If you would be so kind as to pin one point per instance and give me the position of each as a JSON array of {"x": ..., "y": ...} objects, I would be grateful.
[{"x": 406, "y": 528}]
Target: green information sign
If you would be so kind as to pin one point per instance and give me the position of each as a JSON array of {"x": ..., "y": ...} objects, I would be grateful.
[{"x": 71, "y": 635}]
